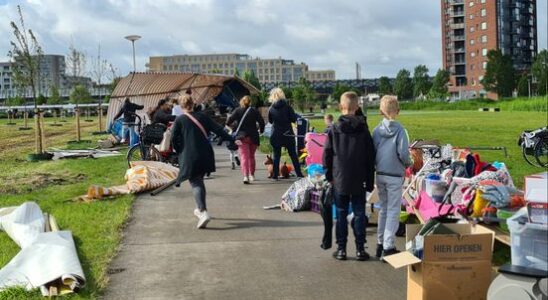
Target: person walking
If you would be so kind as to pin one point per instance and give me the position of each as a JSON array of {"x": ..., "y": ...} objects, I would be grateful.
[
  {"x": 281, "y": 115},
  {"x": 128, "y": 111},
  {"x": 162, "y": 113},
  {"x": 250, "y": 124},
  {"x": 196, "y": 157}
]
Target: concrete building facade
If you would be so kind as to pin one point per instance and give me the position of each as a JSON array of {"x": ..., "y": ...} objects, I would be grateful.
[
  {"x": 470, "y": 28},
  {"x": 270, "y": 70},
  {"x": 322, "y": 75}
]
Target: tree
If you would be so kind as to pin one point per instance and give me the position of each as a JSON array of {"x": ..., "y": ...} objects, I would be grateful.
[
  {"x": 499, "y": 74},
  {"x": 439, "y": 91},
  {"x": 236, "y": 72},
  {"x": 303, "y": 95},
  {"x": 26, "y": 55},
  {"x": 523, "y": 86},
  {"x": 421, "y": 81},
  {"x": 403, "y": 86},
  {"x": 80, "y": 95},
  {"x": 76, "y": 66},
  {"x": 41, "y": 99},
  {"x": 385, "y": 87},
  {"x": 250, "y": 77},
  {"x": 54, "y": 97},
  {"x": 340, "y": 89},
  {"x": 539, "y": 69}
]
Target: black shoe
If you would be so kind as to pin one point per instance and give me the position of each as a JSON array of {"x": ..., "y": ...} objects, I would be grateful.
[
  {"x": 388, "y": 252},
  {"x": 325, "y": 246},
  {"x": 237, "y": 159},
  {"x": 378, "y": 253},
  {"x": 361, "y": 255},
  {"x": 340, "y": 254}
]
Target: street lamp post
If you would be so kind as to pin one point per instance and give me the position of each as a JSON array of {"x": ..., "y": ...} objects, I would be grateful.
[{"x": 132, "y": 39}]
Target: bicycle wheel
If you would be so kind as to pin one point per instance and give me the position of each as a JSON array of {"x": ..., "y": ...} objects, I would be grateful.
[
  {"x": 541, "y": 152},
  {"x": 528, "y": 158},
  {"x": 143, "y": 152}
]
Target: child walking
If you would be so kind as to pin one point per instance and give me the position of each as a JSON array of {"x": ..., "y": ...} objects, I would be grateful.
[
  {"x": 349, "y": 158},
  {"x": 391, "y": 142}
]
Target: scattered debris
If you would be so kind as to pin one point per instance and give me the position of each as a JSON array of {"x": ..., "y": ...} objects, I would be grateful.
[{"x": 87, "y": 153}]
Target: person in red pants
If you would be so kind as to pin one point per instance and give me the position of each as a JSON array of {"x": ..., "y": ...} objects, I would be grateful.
[{"x": 249, "y": 125}]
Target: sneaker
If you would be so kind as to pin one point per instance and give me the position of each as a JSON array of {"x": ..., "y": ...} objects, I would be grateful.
[
  {"x": 378, "y": 253},
  {"x": 246, "y": 180},
  {"x": 251, "y": 178},
  {"x": 237, "y": 159},
  {"x": 388, "y": 252},
  {"x": 197, "y": 213},
  {"x": 361, "y": 255},
  {"x": 340, "y": 254},
  {"x": 203, "y": 220}
]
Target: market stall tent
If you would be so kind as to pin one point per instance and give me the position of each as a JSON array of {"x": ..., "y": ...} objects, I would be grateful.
[{"x": 149, "y": 88}]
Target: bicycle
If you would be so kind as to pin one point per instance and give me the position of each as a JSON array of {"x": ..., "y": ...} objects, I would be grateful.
[
  {"x": 534, "y": 144},
  {"x": 148, "y": 136}
]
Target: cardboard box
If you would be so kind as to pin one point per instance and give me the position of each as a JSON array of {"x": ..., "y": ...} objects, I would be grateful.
[
  {"x": 454, "y": 266},
  {"x": 536, "y": 188}
]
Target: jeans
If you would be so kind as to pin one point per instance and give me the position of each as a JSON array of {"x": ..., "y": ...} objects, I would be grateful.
[
  {"x": 247, "y": 156},
  {"x": 199, "y": 192},
  {"x": 277, "y": 153},
  {"x": 129, "y": 130},
  {"x": 342, "y": 203},
  {"x": 390, "y": 193}
]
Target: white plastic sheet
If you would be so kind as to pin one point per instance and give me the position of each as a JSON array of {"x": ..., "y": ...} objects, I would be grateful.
[{"x": 44, "y": 256}]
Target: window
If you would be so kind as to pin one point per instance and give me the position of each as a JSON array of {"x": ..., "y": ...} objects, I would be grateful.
[
  {"x": 471, "y": 3},
  {"x": 484, "y": 39},
  {"x": 472, "y": 54},
  {"x": 472, "y": 67},
  {"x": 484, "y": 65},
  {"x": 471, "y": 16},
  {"x": 483, "y": 12},
  {"x": 480, "y": 78},
  {"x": 472, "y": 42},
  {"x": 484, "y": 52},
  {"x": 482, "y": 1},
  {"x": 483, "y": 26},
  {"x": 472, "y": 29}
]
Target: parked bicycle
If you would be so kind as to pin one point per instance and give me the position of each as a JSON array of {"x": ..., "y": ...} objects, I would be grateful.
[
  {"x": 534, "y": 146},
  {"x": 149, "y": 135}
]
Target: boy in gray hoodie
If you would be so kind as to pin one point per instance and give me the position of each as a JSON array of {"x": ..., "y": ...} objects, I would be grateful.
[{"x": 391, "y": 142}]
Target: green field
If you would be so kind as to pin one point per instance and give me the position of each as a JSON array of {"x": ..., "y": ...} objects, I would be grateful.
[{"x": 97, "y": 226}]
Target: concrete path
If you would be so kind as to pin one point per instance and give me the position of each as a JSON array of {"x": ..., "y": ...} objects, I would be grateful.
[{"x": 245, "y": 253}]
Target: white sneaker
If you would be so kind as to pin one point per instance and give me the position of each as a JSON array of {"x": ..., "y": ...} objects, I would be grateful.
[
  {"x": 197, "y": 213},
  {"x": 349, "y": 218},
  {"x": 251, "y": 178},
  {"x": 246, "y": 180},
  {"x": 203, "y": 220}
]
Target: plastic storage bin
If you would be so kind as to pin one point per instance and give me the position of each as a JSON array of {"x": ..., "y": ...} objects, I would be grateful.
[{"x": 529, "y": 242}]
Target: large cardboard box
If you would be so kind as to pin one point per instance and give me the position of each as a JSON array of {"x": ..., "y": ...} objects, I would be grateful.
[{"x": 454, "y": 266}]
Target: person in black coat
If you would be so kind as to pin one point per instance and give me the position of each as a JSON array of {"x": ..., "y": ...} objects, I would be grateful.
[
  {"x": 281, "y": 115},
  {"x": 162, "y": 113},
  {"x": 247, "y": 122},
  {"x": 128, "y": 111},
  {"x": 196, "y": 158},
  {"x": 349, "y": 160}
]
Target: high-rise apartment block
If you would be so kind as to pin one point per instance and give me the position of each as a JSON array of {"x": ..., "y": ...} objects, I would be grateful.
[
  {"x": 267, "y": 70},
  {"x": 470, "y": 28}
]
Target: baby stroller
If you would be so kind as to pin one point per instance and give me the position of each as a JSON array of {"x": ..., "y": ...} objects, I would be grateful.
[{"x": 534, "y": 146}]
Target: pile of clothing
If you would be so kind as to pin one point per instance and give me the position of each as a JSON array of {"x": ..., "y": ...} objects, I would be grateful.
[{"x": 455, "y": 183}]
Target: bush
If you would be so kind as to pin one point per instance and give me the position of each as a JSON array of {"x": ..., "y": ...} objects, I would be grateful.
[{"x": 512, "y": 104}]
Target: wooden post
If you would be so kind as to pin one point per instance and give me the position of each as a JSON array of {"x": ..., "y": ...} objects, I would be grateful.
[
  {"x": 43, "y": 130},
  {"x": 38, "y": 133},
  {"x": 26, "y": 116},
  {"x": 77, "y": 113},
  {"x": 100, "y": 118}
]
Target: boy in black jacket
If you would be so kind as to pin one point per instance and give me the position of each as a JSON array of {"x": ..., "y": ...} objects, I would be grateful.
[{"x": 349, "y": 159}]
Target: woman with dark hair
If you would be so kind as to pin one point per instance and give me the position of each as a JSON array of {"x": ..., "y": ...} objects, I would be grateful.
[
  {"x": 281, "y": 115},
  {"x": 196, "y": 157},
  {"x": 162, "y": 113},
  {"x": 250, "y": 123},
  {"x": 128, "y": 110}
]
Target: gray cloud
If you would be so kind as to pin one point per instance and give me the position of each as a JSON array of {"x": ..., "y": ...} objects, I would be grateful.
[{"x": 383, "y": 36}]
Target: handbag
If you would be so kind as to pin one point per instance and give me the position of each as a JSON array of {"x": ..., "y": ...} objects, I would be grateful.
[
  {"x": 166, "y": 142},
  {"x": 235, "y": 133}
]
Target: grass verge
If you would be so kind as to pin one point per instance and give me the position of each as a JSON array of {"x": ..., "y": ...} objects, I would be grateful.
[{"x": 96, "y": 226}]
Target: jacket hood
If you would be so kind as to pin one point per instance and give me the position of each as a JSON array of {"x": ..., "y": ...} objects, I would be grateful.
[
  {"x": 279, "y": 104},
  {"x": 388, "y": 128},
  {"x": 350, "y": 124}
]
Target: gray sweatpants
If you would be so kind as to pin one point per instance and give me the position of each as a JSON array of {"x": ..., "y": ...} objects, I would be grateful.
[{"x": 390, "y": 193}]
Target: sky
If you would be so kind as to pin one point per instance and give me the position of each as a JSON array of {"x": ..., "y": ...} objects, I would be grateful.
[{"x": 382, "y": 35}]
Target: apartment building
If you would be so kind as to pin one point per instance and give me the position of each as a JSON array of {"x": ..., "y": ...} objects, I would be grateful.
[
  {"x": 470, "y": 28},
  {"x": 272, "y": 70},
  {"x": 320, "y": 75}
]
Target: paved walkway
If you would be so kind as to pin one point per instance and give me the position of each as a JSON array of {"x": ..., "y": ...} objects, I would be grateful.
[{"x": 245, "y": 253}]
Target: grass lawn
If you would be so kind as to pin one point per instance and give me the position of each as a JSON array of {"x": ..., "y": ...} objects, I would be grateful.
[{"x": 96, "y": 227}]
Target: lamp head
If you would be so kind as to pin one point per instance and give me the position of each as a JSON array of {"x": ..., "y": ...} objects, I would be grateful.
[{"x": 132, "y": 38}]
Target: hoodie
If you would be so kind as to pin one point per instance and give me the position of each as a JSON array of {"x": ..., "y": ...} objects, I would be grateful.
[
  {"x": 349, "y": 156},
  {"x": 392, "y": 144}
]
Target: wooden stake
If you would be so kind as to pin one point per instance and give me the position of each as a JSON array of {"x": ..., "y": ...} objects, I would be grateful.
[
  {"x": 100, "y": 118},
  {"x": 77, "y": 111},
  {"x": 43, "y": 130}
]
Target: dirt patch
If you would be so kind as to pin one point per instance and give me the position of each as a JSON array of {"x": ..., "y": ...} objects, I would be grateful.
[{"x": 37, "y": 181}]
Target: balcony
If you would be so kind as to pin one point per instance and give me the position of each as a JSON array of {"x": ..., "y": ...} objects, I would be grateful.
[
  {"x": 458, "y": 37},
  {"x": 458, "y": 13},
  {"x": 459, "y": 50},
  {"x": 457, "y": 26},
  {"x": 457, "y": 2}
]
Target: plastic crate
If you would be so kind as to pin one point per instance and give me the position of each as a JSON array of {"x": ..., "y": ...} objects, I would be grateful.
[{"x": 529, "y": 242}]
